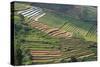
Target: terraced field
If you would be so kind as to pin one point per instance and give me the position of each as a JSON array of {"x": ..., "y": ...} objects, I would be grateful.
[
  {"x": 70, "y": 24},
  {"x": 61, "y": 22},
  {"x": 33, "y": 12},
  {"x": 49, "y": 30},
  {"x": 92, "y": 33},
  {"x": 45, "y": 56},
  {"x": 50, "y": 37},
  {"x": 46, "y": 52}
]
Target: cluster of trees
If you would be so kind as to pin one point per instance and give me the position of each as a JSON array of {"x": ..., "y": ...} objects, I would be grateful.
[{"x": 21, "y": 55}]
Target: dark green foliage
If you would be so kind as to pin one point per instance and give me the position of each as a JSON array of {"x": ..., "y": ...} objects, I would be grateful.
[
  {"x": 73, "y": 59},
  {"x": 19, "y": 57},
  {"x": 19, "y": 32}
]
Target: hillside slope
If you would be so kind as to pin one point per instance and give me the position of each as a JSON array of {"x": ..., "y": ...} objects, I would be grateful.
[{"x": 70, "y": 24}]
